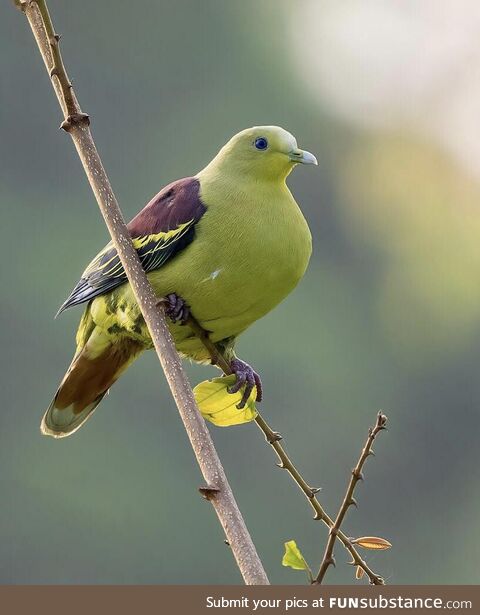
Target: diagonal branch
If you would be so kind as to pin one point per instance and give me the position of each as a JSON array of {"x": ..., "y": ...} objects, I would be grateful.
[
  {"x": 349, "y": 500},
  {"x": 273, "y": 438},
  {"x": 76, "y": 123}
]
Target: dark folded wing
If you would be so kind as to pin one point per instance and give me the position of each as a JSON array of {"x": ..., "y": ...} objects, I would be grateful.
[{"x": 159, "y": 232}]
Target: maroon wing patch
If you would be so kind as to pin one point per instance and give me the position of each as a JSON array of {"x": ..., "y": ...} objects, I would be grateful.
[{"x": 177, "y": 206}]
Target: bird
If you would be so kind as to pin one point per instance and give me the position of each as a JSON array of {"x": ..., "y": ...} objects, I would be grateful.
[{"x": 226, "y": 246}]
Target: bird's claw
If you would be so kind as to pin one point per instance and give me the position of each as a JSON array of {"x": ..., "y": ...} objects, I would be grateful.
[
  {"x": 176, "y": 309},
  {"x": 245, "y": 376}
]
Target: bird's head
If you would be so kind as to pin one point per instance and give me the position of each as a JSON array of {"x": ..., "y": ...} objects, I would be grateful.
[{"x": 262, "y": 152}]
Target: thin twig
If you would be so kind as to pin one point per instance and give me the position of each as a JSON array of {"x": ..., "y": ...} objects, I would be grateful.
[
  {"x": 76, "y": 123},
  {"x": 349, "y": 500},
  {"x": 273, "y": 438}
]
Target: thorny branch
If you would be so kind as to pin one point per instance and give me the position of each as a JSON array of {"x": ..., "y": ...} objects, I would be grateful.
[
  {"x": 285, "y": 463},
  {"x": 349, "y": 500}
]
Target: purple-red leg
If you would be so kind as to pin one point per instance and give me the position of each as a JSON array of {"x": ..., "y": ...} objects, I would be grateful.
[
  {"x": 245, "y": 376},
  {"x": 176, "y": 308},
  {"x": 178, "y": 311}
]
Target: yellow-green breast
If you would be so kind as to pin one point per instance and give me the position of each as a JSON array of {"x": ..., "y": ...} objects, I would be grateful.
[{"x": 251, "y": 248}]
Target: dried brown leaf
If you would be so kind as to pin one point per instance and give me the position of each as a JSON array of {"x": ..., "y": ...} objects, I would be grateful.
[{"x": 372, "y": 542}]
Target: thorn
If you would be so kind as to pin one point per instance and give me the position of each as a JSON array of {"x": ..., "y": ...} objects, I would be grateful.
[
  {"x": 208, "y": 491},
  {"x": 358, "y": 475},
  {"x": 352, "y": 563},
  {"x": 314, "y": 491},
  {"x": 371, "y": 453},
  {"x": 226, "y": 542},
  {"x": 381, "y": 420},
  {"x": 75, "y": 118},
  {"x": 317, "y": 516},
  {"x": 332, "y": 562},
  {"x": 281, "y": 465},
  {"x": 274, "y": 437},
  {"x": 353, "y": 502}
]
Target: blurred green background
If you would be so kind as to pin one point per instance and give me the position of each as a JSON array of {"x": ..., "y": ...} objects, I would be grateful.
[{"x": 388, "y": 316}]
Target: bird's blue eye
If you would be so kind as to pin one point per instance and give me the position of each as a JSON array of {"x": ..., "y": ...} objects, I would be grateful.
[{"x": 261, "y": 143}]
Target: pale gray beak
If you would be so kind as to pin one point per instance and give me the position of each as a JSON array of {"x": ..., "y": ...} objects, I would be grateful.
[{"x": 302, "y": 157}]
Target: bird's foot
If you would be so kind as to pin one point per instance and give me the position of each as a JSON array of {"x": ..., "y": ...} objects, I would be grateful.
[
  {"x": 245, "y": 376},
  {"x": 176, "y": 309}
]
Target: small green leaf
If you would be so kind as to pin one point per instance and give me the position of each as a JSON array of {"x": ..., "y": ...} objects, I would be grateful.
[
  {"x": 219, "y": 406},
  {"x": 293, "y": 557}
]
